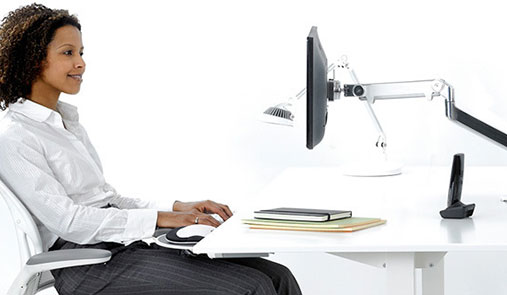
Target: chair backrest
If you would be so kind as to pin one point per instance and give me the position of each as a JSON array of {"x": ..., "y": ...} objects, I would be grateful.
[
  {"x": 27, "y": 233},
  {"x": 29, "y": 240}
]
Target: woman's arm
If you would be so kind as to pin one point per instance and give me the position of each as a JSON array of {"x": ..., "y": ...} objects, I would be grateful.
[
  {"x": 177, "y": 219},
  {"x": 207, "y": 206},
  {"x": 189, "y": 212},
  {"x": 136, "y": 203},
  {"x": 25, "y": 169}
]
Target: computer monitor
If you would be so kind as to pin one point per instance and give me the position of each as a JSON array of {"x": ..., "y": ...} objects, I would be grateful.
[
  {"x": 319, "y": 90},
  {"x": 316, "y": 86}
]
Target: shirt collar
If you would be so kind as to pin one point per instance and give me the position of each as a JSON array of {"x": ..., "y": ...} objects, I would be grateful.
[
  {"x": 40, "y": 113},
  {"x": 68, "y": 111}
]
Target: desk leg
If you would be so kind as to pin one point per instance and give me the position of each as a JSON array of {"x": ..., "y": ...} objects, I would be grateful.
[
  {"x": 400, "y": 269},
  {"x": 433, "y": 276}
]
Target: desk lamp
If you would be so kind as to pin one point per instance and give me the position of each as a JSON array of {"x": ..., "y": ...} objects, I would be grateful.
[
  {"x": 283, "y": 113},
  {"x": 320, "y": 90}
]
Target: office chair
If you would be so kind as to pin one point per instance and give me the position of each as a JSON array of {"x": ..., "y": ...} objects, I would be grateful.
[{"x": 36, "y": 264}]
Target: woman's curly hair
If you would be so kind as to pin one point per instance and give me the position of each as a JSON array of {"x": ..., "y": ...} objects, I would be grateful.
[{"x": 25, "y": 34}]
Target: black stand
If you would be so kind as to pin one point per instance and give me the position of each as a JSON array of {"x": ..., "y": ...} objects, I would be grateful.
[
  {"x": 458, "y": 211},
  {"x": 455, "y": 209}
]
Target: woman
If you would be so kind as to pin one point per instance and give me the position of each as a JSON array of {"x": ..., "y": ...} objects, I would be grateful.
[{"x": 48, "y": 160}]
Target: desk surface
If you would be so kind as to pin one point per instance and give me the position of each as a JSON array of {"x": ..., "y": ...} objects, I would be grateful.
[{"x": 409, "y": 202}]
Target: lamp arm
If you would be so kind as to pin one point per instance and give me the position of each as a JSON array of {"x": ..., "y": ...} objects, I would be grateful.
[
  {"x": 398, "y": 90},
  {"x": 428, "y": 89},
  {"x": 302, "y": 92}
]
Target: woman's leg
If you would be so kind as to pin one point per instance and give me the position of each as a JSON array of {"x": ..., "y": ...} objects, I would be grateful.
[
  {"x": 142, "y": 269},
  {"x": 284, "y": 281}
]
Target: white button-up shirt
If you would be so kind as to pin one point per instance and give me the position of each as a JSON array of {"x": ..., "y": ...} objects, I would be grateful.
[{"x": 48, "y": 161}]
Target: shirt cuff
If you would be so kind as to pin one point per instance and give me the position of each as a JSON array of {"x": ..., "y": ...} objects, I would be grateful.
[
  {"x": 141, "y": 224},
  {"x": 164, "y": 205}
]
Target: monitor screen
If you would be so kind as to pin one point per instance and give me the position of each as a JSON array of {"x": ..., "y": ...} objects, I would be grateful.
[{"x": 316, "y": 90}]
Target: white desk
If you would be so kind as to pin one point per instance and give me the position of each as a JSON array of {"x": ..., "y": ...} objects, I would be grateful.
[{"x": 415, "y": 235}]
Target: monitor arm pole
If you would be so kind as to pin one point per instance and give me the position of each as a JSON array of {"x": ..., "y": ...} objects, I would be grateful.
[{"x": 428, "y": 89}]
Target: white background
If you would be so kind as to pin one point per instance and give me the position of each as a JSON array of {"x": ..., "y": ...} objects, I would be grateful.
[{"x": 173, "y": 91}]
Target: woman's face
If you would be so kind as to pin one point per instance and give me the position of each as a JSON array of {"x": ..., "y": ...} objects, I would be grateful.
[{"x": 64, "y": 65}]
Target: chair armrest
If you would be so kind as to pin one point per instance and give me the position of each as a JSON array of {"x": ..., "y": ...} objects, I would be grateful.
[
  {"x": 54, "y": 260},
  {"x": 67, "y": 258}
]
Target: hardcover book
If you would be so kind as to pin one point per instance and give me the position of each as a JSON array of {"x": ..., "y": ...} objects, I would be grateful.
[{"x": 301, "y": 214}]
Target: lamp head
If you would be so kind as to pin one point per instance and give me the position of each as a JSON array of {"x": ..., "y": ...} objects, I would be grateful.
[{"x": 281, "y": 114}]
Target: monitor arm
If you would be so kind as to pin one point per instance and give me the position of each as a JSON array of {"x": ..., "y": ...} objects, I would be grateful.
[{"x": 414, "y": 89}]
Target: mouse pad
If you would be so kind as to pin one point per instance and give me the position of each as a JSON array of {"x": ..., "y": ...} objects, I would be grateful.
[{"x": 173, "y": 238}]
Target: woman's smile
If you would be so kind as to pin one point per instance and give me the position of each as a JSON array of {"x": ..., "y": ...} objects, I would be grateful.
[{"x": 77, "y": 77}]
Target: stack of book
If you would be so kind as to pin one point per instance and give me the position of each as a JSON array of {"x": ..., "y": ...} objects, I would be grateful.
[{"x": 310, "y": 220}]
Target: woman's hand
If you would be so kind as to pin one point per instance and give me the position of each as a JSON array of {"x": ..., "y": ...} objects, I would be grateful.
[
  {"x": 177, "y": 219},
  {"x": 208, "y": 206}
]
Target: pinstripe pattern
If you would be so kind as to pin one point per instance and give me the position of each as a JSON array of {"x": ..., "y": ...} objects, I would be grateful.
[
  {"x": 142, "y": 269},
  {"x": 57, "y": 174}
]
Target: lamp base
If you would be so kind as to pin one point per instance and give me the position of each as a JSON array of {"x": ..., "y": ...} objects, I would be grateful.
[{"x": 372, "y": 169}]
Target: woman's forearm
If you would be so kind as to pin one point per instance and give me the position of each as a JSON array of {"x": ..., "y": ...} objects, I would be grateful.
[{"x": 177, "y": 219}]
